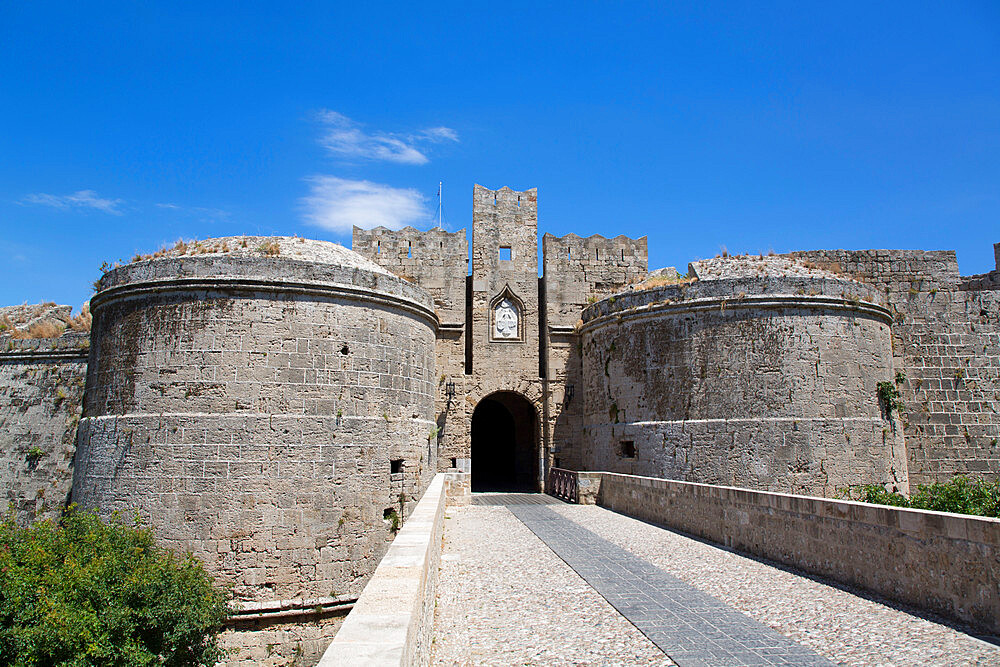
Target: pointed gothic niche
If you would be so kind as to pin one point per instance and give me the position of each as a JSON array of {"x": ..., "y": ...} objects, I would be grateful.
[{"x": 506, "y": 317}]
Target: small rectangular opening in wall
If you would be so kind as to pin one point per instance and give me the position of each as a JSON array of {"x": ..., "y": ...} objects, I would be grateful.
[
  {"x": 626, "y": 449},
  {"x": 409, "y": 249},
  {"x": 396, "y": 466},
  {"x": 505, "y": 253},
  {"x": 378, "y": 247},
  {"x": 569, "y": 253},
  {"x": 597, "y": 253},
  {"x": 454, "y": 462}
]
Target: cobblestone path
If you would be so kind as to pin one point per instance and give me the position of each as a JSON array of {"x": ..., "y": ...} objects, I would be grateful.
[
  {"x": 693, "y": 628},
  {"x": 505, "y": 598}
]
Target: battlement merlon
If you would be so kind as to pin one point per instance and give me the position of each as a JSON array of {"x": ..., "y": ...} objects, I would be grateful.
[
  {"x": 571, "y": 252},
  {"x": 436, "y": 260},
  {"x": 523, "y": 202},
  {"x": 579, "y": 270}
]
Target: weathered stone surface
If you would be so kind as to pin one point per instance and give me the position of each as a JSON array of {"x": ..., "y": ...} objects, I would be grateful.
[
  {"x": 946, "y": 344},
  {"x": 266, "y": 401},
  {"x": 263, "y": 412},
  {"x": 41, "y": 390},
  {"x": 759, "y": 382},
  {"x": 946, "y": 563}
]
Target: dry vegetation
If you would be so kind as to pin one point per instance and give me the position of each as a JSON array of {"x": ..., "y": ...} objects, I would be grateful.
[
  {"x": 822, "y": 265},
  {"x": 43, "y": 320},
  {"x": 269, "y": 247},
  {"x": 660, "y": 281},
  {"x": 82, "y": 320}
]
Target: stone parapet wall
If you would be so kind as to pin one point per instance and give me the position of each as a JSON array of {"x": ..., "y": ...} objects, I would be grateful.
[
  {"x": 41, "y": 392},
  {"x": 948, "y": 564},
  {"x": 580, "y": 270},
  {"x": 392, "y": 623},
  {"x": 436, "y": 260},
  {"x": 577, "y": 272}
]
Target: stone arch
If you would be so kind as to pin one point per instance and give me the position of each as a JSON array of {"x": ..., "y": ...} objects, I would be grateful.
[{"x": 505, "y": 443}]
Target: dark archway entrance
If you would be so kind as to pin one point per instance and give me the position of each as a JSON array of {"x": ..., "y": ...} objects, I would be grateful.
[{"x": 504, "y": 444}]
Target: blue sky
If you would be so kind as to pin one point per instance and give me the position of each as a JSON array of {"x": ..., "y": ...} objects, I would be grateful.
[{"x": 753, "y": 126}]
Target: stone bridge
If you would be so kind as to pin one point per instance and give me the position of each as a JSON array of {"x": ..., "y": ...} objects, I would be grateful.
[{"x": 527, "y": 579}]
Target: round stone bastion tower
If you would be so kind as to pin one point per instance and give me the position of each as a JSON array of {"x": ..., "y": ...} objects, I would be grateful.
[
  {"x": 265, "y": 403},
  {"x": 756, "y": 372}
]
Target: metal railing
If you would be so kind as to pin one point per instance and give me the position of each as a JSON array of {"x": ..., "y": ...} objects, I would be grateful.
[{"x": 562, "y": 484}]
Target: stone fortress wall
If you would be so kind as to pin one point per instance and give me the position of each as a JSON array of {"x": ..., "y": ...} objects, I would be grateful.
[
  {"x": 261, "y": 411},
  {"x": 750, "y": 371},
  {"x": 577, "y": 272},
  {"x": 438, "y": 261},
  {"x": 946, "y": 342},
  {"x": 41, "y": 395},
  {"x": 742, "y": 379},
  {"x": 268, "y": 402}
]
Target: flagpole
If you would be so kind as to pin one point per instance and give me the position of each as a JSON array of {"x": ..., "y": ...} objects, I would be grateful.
[{"x": 440, "y": 206}]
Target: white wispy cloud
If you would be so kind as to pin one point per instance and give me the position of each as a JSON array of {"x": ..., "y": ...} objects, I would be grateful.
[
  {"x": 438, "y": 134},
  {"x": 346, "y": 138},
  {"x": 338, "y": 204},
  {"x": 204, "y": 213},
  {"x": 79, "y": 199}
]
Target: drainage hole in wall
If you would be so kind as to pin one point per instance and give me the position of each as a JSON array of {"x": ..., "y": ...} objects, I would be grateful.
[{"x": 626, "y": 449}]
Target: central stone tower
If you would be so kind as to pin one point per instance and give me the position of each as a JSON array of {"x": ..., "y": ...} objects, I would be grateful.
[
  {"x": 505, "y": 322},
  {"x": 503, "y": 340},
  {"x": 507, "y": 353}
]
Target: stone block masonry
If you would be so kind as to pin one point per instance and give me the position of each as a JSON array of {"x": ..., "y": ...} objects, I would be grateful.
[
  {"x": 41, "y": 391},
  {"x": 578, "y": 271},
  {"x": 269, "y": 414},
  {"x": 761, "y": 382},
  {"x": 392, "y": 622},
  {"x": 948, "y": 564},
  {"x": 436, "y": 260},
  {"x": 946, "y": 347}
]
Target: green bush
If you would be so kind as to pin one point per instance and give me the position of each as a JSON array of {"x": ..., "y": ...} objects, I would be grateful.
[
  {"x": 83, "y": 592},
  {"x": 874, "y": 494},
  {"x": 960, "y": 495}
]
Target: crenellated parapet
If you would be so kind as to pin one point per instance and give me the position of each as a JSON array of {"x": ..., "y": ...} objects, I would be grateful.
[
  {"x": 580, "y": 270},
  {"x": 436, "y": 260}
]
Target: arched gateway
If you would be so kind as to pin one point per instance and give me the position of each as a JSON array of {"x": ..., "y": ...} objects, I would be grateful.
[{"x": 504, "y": 444}]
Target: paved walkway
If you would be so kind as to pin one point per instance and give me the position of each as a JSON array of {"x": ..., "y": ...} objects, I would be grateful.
[
  {"x": 693, "y": 628},
  {"x": 506, "y": 598}
]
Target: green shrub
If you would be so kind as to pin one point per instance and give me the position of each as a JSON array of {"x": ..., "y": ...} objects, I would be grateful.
[
  {"x": 960, "y": 495},
  {"x": 874, "y": 494},
  {"x": 84, "y": 592},
  {"x": 889, "y": 398}
]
